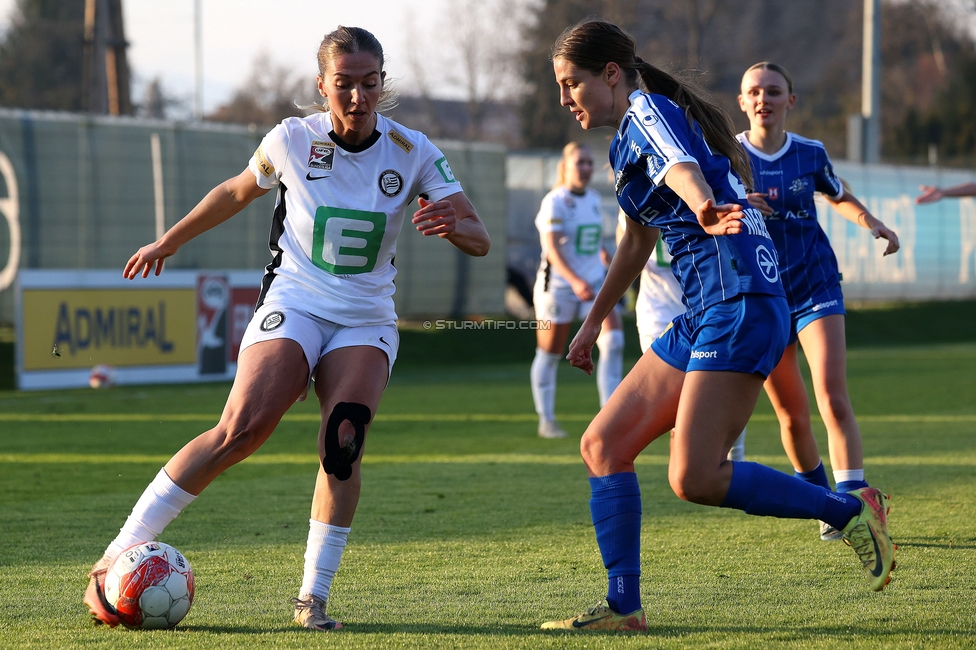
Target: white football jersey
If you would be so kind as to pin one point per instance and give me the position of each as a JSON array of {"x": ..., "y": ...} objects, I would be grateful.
[
  {"x": 577, "y": 221},
  {"x": 659, "y": 298},
  {"x": 339, "y": 211}
]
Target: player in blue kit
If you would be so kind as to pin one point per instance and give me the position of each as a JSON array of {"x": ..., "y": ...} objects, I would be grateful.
[
  {"x": 788, "y": 169},
  {"x": 678, "y": 169}
]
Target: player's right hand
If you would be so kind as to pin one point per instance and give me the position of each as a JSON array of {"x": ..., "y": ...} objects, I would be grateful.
[
  {"x": 581, "y": 348},
  {"x": 145, "y": 259},
  {"x": 582, "y": 289},
  {"x": 721, "y": 219}
]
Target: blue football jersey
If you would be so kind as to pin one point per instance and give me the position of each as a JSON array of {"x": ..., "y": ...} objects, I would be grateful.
[
  {"x": 654, "y": 136},
  {"x": 789, "y": 178}
]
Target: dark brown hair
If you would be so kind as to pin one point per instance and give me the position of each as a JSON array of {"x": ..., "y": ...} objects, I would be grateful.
[
  {"x": 592, "y": 44},
  {"x": 773, "y": 67}
]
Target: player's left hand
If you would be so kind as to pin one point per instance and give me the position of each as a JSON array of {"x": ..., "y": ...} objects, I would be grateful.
[
  {"x": 581, "y": 348},
  {"x": 437, "y": 218},
  {"x": 882, "y": 231},
  {"x": 722, "y": 219}
]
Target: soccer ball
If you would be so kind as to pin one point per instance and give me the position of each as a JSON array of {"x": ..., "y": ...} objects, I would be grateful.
[
  {"x": 150, "y": 585},
  {"x": 101, "y": 376}
]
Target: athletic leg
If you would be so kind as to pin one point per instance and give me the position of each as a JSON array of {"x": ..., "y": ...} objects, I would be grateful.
[
  {"x": 610, "y": 363},
  {"x": 825, "y": 347},
  {"x": 351, "y": 376},
  {"x": 270, "y": 376},
  {"x": 788, "y": 395},
  {"x": 550, "y": 347}
]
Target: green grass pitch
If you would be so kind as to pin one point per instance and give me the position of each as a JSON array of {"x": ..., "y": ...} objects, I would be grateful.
[{"x": 471, "y": 530}]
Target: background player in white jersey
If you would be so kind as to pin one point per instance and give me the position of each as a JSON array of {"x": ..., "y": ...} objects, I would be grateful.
[
  {"x": 659, "y": 302},
  {"x": 344, "y": 177},
  {"x": 788, "y": 169},
  {"x": 570, "y": 224}
]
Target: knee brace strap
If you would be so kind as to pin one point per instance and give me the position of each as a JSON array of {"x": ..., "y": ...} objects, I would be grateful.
[{"x": 338, "y": 460}]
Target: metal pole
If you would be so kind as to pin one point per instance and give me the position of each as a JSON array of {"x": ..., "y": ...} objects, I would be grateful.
[
  {"x": 871, "y": 81},
  {"x": 197, "y": 61},
  {"x": 157, "y": 166}
]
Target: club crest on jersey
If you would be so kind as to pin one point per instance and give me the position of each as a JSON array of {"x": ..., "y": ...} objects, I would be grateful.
[
  {"x": 272, "y": 321},
  {"x": 772, "y": 193},
  {"x": 798, "y": 185},
  {"x": 391, "y": 183},
  {"x": 321, "y": 155}
]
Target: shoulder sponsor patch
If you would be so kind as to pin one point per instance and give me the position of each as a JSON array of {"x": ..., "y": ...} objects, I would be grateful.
[
  {"x": 321, "y": 155},
  {"x": 445, "y": 169},
  {"x": 400, "y": 141},
  {"x": 264, "y": 166}
]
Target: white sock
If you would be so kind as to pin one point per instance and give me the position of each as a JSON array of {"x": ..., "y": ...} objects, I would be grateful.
[
  {"x": 162, "y": 501},
  {"x": 610, "y": 365},
  {"x": 543, "y": 376},
  {"x": 738, "y": 451},
  {"x": 322, "y": 556},
  {"x": 848, "y": 475}
]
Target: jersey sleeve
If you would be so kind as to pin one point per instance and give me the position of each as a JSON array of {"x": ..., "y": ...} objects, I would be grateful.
[
  {"x": 436, "y": 179},
  {"x": 825, "y": 180},
  {"x": 663, "y": 138},
  {"x": 550, "y": 217},
  {"x": 268, "y": 160}
]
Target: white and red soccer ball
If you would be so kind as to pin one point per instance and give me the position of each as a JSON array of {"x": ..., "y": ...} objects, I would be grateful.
[
  {"x": 102, "y": 376},
  {"x": 150, "y": 585}
]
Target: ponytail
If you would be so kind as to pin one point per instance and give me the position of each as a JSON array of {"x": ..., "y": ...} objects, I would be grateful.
[{"x": 716, "y": 125}]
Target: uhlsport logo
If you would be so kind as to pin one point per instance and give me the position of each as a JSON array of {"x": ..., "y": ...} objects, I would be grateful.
[
  {"x": 704, "y": 354},
  {"x": 272, "y": 321}
]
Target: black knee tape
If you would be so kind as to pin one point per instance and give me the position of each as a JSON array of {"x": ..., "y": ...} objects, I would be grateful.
[{"x": 338, "y": 460}]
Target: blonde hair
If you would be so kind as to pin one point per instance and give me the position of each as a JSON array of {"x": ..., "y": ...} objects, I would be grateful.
[
  {"x": 568, "y": 150},
  {"x": 592, "y": 44},
  {"x": 350, "y": 40}
]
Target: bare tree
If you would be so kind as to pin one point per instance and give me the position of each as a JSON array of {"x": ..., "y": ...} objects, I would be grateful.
[
  {"x": 271, "y": 93},
  {"x": 477, "y": 59}
]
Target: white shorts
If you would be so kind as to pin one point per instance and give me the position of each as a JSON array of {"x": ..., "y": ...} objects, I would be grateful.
[
  {"x": 560, "y": 305},
  {"x": 318, "y": 336}
]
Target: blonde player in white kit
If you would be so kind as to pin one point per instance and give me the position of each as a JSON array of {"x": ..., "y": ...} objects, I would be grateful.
[
  {"x": 344, "y": 178},
  {"x": 659, "y": 302},
  {"x": 570, "y": 224}
]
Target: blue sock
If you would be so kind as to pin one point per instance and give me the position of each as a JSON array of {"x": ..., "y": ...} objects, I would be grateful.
[
  {"x": 760, "y": 490},
  {"x": 615, "y": 505},
  {"x": 816, "y": 476},
  {"x": 847, "y": 486}
]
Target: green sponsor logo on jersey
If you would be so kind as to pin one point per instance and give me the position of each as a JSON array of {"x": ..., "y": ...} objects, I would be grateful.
[
  {"x": 346, "y": 242},
  {"x": 445, "y": 169},
  {"x": 588, "y": 239}
]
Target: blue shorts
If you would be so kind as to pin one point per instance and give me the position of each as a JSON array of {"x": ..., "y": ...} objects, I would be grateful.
[
  {"x": 746, "y": 334},
  {"x": 830, "y": 300}
]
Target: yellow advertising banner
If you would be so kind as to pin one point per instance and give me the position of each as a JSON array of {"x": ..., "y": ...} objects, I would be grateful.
[{"x": 79, "y": 328}]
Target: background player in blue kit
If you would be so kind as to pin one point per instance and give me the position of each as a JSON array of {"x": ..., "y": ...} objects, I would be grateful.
[
  {"x": 326, "y": 309},
  {"x": 703, "y": 377},
  {"x": 787, "y": 170}
]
